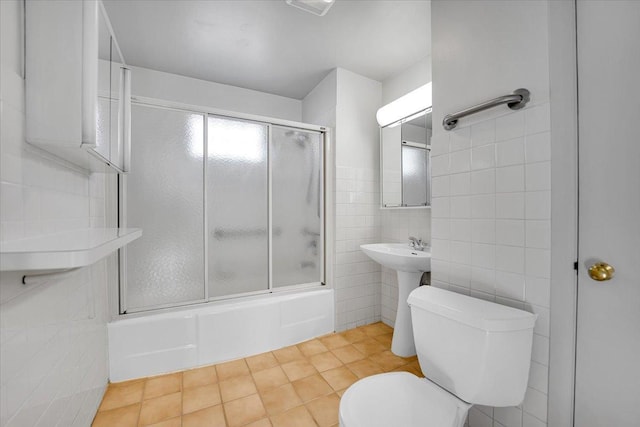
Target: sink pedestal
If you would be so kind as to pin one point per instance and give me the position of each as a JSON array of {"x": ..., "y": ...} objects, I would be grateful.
[{"x": 402, "y": 343}]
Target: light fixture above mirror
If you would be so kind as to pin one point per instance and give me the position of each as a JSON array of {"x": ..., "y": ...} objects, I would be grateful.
[{"x": 413, "y": 103}]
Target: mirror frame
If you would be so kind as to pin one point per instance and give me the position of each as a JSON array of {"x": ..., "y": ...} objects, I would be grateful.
[{"x": 424, "y": 112}]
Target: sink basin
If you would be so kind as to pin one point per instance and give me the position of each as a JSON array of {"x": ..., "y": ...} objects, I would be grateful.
[
  {"x": 409, "y": 264},
  {"x": 399, "y": 256}
]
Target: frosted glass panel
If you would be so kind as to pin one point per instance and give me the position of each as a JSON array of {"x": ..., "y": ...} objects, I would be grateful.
[
  {"x": 296, "y": 206},
  {"x": 164, "y": 197},
  {"x": 237, "y": 207},
  {"x": 414, "y": 175}
]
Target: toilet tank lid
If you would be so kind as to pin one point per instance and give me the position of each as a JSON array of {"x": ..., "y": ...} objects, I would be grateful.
[{"x": 477, "y": 313}]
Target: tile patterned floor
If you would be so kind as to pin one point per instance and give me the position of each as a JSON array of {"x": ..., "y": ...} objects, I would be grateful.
[{"x": 296, "y": 386}]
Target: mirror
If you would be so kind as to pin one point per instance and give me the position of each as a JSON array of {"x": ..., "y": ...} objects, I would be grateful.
[{"x": 405, "y": 162}]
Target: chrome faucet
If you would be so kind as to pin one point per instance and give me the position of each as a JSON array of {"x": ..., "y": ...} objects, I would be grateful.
[{"x": 416, "y": 244}]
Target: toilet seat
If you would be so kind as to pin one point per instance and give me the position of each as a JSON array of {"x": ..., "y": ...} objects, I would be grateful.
[{"x": 400, "y": 399}]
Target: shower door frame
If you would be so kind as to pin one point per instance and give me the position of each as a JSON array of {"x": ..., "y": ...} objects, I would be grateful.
[{"x": 326, "y": 203}]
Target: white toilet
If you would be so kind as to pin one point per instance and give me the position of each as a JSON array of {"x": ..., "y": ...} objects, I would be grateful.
[{"x": 471, "y": 351}]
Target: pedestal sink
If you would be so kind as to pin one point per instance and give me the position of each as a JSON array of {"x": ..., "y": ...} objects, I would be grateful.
[{"x": 409, "y": 264}]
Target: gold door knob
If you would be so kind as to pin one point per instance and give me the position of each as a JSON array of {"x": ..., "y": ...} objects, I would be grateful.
[{"x": 601, "y": 271}]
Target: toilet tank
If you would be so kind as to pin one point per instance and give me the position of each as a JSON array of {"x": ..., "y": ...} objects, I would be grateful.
[{"x": 478, "y": 350}]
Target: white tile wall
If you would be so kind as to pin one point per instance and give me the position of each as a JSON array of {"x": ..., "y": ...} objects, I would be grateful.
[
  {"x": 356, "y": 276},
  {"x": 491, "y": 238},
  {"x": 396, "y": 226},
  {"x": 53, "y": 355}
]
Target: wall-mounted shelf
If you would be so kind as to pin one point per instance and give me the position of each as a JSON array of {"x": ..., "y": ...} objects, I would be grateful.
[{"x": 65, "y": 250}]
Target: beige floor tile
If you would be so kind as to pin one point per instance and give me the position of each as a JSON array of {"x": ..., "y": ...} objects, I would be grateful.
[
  {"x": 162, "y": 385},
  {"x": 203, "y": 387},
  {"x": 311, "y": 387},
  {"x": 334, "y": 341},
  {"x": 385, "y": 339},
  {"x": 126, "y": 416},
  {"x": 325, "y": 410},
  {"x": 232, "y": 369},
  {"x": 122, "y": 395},
  {"x": 365, "y": 368},
  {"x": 270, "y": 378},
  {"x": 325, "y": 361},
  {"x": 280, "y": 399},
  {"x": 375, "y": 329},
  {"x": 296, "y": 417},
  {"x": 209, "y": 417},
  {"x": 354, "y": 335},
  {"x": 261, "y": 362},
  {"x": 370, "y": 346},
  {"x": 199, "y": 377},
  {"x": 412, "y": 368},
  {"x": 244, "y": 411},
  {"x": 161, "y": 408},
  {"x": 309, "y": 348},
  {"x": 339, "y": 378},
  {"x": 260, "y": 423},
  {"x": 196, "y": 398},
  {"x": 298, "y": 369},
  {"x": 348, "y": 354},
  {"x": 173, "y": 422},
  {"x": 288, "y": 354},
  {"x": 237, "y": 387},
  {"x": 387, "y": 360}
]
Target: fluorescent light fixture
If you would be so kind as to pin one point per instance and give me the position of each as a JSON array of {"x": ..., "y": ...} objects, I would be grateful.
[
  {"x": 317, "y": 7},
  {"x": 413, "y": 103}
]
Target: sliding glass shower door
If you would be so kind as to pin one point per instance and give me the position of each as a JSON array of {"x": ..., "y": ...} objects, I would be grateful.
[
  {"x": 296, "y": 206},
  {"x": 163, "y": 195},
  {"x": 228, "y": 207},
  {"x": 237, "y": 174}
]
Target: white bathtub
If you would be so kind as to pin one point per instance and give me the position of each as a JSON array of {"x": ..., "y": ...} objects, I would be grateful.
[{"x": 216, "y": 332}]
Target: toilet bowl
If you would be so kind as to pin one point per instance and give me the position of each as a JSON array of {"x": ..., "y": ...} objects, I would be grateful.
[
  {"x": 471, "y": 351},
  {"x": 400, "y": 399}
]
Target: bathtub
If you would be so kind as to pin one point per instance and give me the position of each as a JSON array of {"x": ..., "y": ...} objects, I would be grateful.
[{"x": 216, "y": 332}]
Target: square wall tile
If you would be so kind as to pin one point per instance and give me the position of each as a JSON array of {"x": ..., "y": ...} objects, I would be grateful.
[
  {"x": 460, "y": 161},
  {"x": 460, "y": 139},
  {"x": 460, "y": 207},
  {"x": 538, "y": 176},
  {"x": 460, "y": 184},
  {"x": 483, "y": 157},
  {"x": 483, "y": 133},
  {"x": 483, "y": 181},
  {"x": 538, "y": 147},
  {"x": 510, "y": 285},
  {"x": 510, "y": 152},
  {"x": 510, "y": 179},
  {"x": 510, "y": 205},
  {"x": 510, "y": 259},
  {"x": 510, "y": 126},
  {"x": 510, "y": 232}
]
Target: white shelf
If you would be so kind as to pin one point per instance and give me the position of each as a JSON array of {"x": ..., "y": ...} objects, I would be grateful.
[{"x": 65, "y": 250}]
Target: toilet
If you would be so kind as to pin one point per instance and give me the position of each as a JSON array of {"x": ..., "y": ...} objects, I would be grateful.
[{"x": 472, "y": 352}]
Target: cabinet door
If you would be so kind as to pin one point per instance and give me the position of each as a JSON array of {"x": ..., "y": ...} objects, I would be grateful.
[
  {"x": 104, "y": 114},
  {"x": 117, "y": 143}
]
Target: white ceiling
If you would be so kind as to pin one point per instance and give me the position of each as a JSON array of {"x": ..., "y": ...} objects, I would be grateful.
[{"x": 268, "y": 45}]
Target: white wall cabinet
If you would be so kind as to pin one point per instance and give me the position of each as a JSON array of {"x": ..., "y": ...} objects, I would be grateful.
[{"x": 78, "y": 89}]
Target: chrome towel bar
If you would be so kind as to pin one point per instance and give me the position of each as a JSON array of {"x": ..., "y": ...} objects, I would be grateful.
[{"x": 515, "y": 101}]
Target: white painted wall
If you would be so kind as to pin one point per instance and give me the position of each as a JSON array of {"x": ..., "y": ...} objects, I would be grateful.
[
  {"x": 491, "y": 186},
  {"x": 53, "y": 342},
  {"x": 187, "y": 90},
  {"x": 319, "y": 106},
  {"x": 407, "y": 80}
]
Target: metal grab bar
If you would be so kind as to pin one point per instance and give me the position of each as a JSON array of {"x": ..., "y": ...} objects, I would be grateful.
[{"x": 515, "y": 101}]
